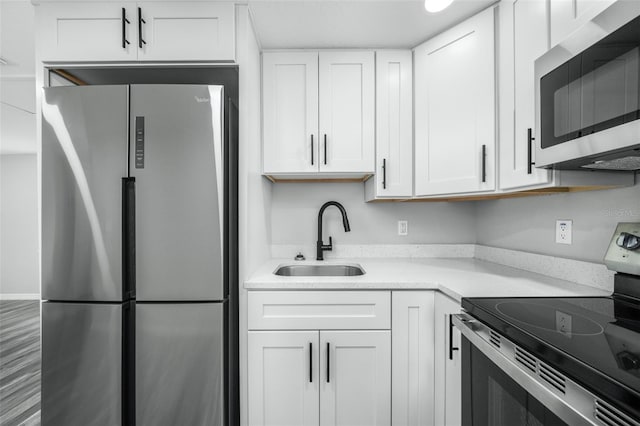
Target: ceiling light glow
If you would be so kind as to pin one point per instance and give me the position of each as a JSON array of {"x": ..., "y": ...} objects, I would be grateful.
[{"x": 434, "y": 6}]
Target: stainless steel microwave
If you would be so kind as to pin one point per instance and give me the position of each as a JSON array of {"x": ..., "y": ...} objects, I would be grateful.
[{"x": 588, "y": 95}]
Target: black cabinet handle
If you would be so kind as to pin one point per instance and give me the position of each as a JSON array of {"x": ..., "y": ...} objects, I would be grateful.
[
  {"x": 384, "y": 173},
  {"x": 125, "y": 21},
  {"x": 530, "y": 140},
  {"x": 484, "y": 163},
  {"x": 451, "y": 348},
  {"x": 140, "y": 22},
  {"x": 325, "y": 149},
  {"x": 328, "y": 361},
  {"x": 310, "y": 362},
  {"x": 312, "y": 150}
]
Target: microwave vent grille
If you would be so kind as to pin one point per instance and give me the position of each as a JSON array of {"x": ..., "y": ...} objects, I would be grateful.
[
  {"x": 525, "y": 359},
  {"x": 552, "y": 377},
  {"x": 494, "y": 339},
  {"x": 630, "y": 163},
  {"x": 609, "y": 416}
]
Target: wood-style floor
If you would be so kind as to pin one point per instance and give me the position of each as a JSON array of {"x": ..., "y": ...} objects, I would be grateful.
[{"x": 19, "y": 362}]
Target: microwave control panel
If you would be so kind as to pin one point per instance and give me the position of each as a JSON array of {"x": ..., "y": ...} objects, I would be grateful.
[{"x": 623, "y": 254}]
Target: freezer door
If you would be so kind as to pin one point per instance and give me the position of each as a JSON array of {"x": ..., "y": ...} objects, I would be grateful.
[
  {"x": 84, "y": 158},
  {"x": 179, "y": 364},
  {"x": 177, "y": 161},
  {"x": 81, "y": 364}
]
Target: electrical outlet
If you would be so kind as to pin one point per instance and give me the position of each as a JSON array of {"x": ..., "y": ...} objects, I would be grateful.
[
  {"x": 403, "y": 227},
  {"x": 563, "y": 323},
  {"x": 564, "y": 231}
]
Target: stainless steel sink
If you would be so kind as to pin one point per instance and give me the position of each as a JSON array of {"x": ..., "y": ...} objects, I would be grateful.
[{"x": 330, "y": 270}]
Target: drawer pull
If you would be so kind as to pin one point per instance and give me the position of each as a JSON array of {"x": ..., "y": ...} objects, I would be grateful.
[
  {"x": 310, "y": 362},
  {"x": 328, "y": 362},
  {"x": 451, "y": 348}
]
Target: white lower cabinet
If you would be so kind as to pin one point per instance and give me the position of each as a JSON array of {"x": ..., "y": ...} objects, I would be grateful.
[
  {"x": 308, "y": 365},
  {"x": 355, "y": 378},
  {"x": 283, "y": 378},
  {"x": 337, "y": 377},
  {"x": 412, "y": 355},
  {"x": 448, "y": 373}
]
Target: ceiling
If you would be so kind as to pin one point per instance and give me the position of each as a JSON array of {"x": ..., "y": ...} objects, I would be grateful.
[{"x": 354, "y": 23}]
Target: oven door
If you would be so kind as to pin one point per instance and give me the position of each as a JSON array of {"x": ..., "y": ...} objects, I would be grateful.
[
  {"x": 491, "y": 398},
  {"x": 502, "y": 384}
]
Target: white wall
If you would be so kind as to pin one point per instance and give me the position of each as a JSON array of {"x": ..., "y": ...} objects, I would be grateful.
[
  {"x": 295, "y": 206},
  {"x": 254, "y": 194},
  {"x": 19, "y": 273},
  {"x": 528, "y": 224},
  {"x": 17, "y": 79}
]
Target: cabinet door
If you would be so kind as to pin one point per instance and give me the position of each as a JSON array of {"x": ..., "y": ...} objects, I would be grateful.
[
  {"x": 86, "y": 31},
  {"x": 412, "y": 354},
  {"x": 347, "y": 117},
  {"x": 448, "y": 373},
  {"x": 185, "y": 31},
  {"x": 523, "y": 38},
  {"x": 283, "y": 378},
  {"x": 394, "y": 131},
  {"x": 355, "y": 376},
  {"x": 455, "y": 109},
  {"x": 290, "y": 112},
  {"x": 569, "y": 15}
]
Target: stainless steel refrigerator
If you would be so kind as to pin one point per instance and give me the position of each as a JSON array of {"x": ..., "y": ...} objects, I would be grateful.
[{"x": 138, "y": 249}]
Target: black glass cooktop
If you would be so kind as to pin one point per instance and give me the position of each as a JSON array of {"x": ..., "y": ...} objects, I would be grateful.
[{"x": 594, "y": 341}]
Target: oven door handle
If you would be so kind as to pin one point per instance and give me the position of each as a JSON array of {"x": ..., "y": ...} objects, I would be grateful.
[{"x": 582, "y": 415}]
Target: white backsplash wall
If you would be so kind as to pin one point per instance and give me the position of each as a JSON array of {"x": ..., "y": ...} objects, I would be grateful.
[
  {"x": 528, "y": 224},
  {"x": 295, "y": 206}
]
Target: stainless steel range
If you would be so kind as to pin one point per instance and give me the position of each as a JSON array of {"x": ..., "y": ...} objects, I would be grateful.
[{"x": 557, "y": 361}]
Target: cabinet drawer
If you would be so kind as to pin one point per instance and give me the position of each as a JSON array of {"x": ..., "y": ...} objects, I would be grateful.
[{"x": 328, "y": 310}]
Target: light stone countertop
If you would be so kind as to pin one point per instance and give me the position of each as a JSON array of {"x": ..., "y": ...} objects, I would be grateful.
[{"x": 455, "y": 277}]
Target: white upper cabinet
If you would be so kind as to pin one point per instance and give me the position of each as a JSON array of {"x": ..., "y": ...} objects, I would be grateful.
[
  {"x": 347, "y": 115},
  {"x": 318, "y": 113},
  {"x": 145, "y": 31},
  {"x": 290, "y": 112},
  {"x": 394, "y": 126},
  {"x": 524, "y": 37},
  {"x": 569, "y": 15},
  {"x": 455, "y": 110},
  {"x": 186, "y": 31},
  {"x": 87, "y": 31}
]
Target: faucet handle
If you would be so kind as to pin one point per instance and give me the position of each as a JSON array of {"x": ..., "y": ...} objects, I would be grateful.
[{"x": 330, "y": 244}]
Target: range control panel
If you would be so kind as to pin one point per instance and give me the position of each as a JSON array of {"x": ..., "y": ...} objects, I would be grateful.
[{"x": 624, "y": 249}]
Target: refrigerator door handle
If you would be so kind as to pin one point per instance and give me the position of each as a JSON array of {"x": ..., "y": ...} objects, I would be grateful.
[{"x": 129, "y": 238}]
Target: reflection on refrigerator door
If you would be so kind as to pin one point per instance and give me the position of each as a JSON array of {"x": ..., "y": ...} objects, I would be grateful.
[
  {"x": 84, "y": 158},
  {"x": 177, "y": 162},
  {"x": 82, "y": 364},
  {"x": 180, "y": 364}
]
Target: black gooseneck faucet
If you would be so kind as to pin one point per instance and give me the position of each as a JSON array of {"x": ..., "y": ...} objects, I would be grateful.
[{"x": 320, "y": 246}]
